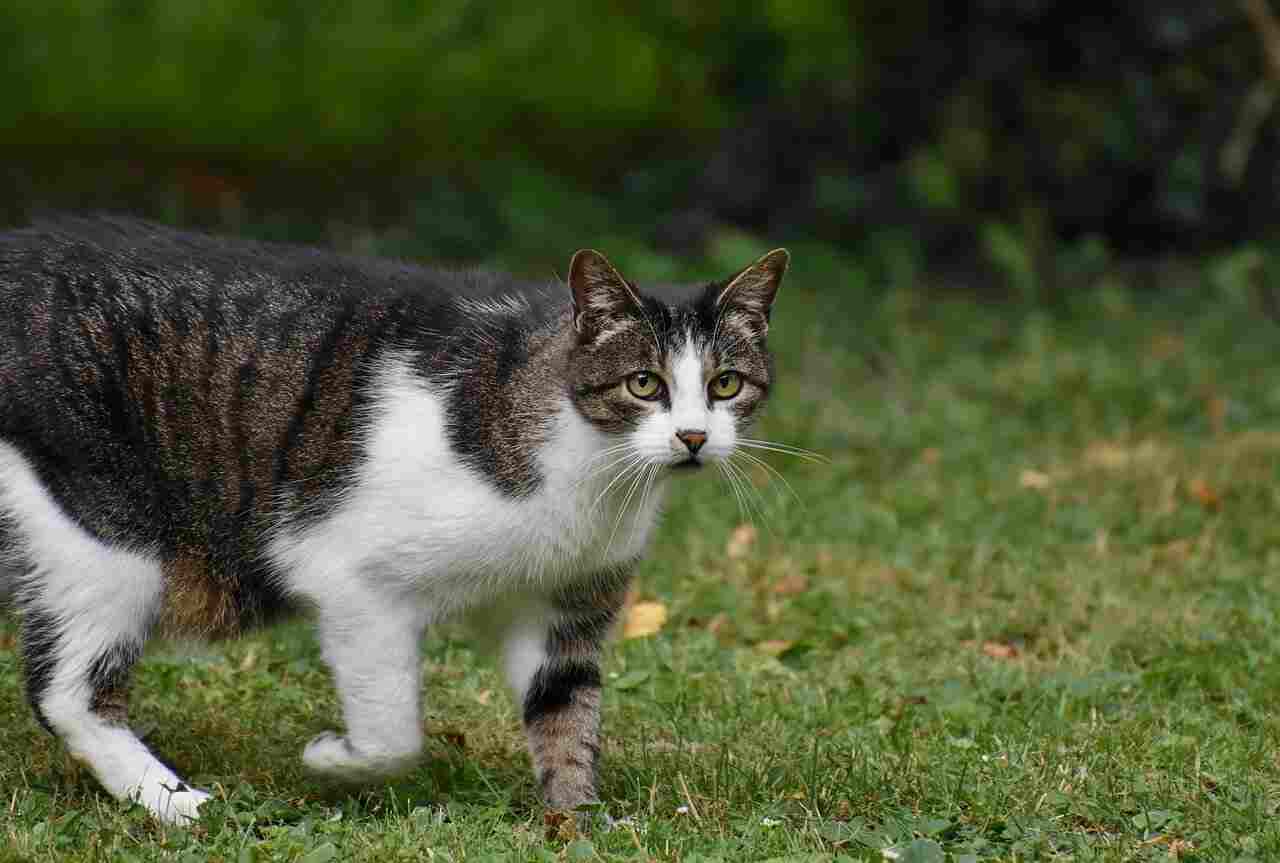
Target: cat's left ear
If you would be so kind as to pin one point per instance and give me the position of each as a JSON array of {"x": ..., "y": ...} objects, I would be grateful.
[
  {"x": 599, "y": 292},
  {"x": 754, "y": 288}
]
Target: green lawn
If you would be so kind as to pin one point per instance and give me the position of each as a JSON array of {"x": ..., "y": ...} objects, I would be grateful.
[{"x": 1030, "y": 609}]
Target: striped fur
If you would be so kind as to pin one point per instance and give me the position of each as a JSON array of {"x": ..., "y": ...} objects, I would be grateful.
[{"x": 198, "y": 434}]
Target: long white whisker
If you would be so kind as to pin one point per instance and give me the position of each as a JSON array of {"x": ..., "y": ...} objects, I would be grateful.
[
  {"x": 622, "y": 510},
  {"x": 632, "y": 465},
  {"x": 786, "y": 449},
  {"x": 772, "y": 471},
  {"x": 654, "y": 467},
  {"x": 602, "y": 469},
  {"x": 728, "y": 481},
  {"x": 608, "y": 451},
  {"x": 749, "y": 493}
]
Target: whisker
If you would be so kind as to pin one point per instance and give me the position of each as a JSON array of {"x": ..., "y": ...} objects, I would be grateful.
[
  {"x": 608, "y": 451},
  {"x": 728, "y": 481},
  {"x": 622, "y": 510},
  {"x": 654, "y": 468},
  {"x": 606, "y": 467},
  {"x": 750, "y": 494},
  {"x": 772, "y": 471},
  {"x": 635, "y": 462},
  {"x": 784, "y": 448}
]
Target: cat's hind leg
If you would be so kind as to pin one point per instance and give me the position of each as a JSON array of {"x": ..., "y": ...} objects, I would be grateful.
[{"x": 86, "y": 611}]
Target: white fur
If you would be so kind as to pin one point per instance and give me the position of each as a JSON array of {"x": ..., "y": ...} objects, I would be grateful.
[
  {"x": 98, "y": 594},
  {"x": 687, "y": 380},
  {"x": 420, "y": 536}
]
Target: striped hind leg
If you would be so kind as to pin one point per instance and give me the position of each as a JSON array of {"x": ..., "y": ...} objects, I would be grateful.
[{"x": 86, "y": 611}]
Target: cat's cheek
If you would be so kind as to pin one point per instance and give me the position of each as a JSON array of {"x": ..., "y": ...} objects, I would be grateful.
[
  {"x": 655, "y": 436},
  {"x": 722, "y": 435}
]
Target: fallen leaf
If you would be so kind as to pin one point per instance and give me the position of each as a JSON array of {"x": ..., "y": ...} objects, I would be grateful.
[
  {"x": 774, "y": 647},
  {"x": 455, "y": 738},
  {"x": 931, "y": 455},
  {"x": 740, "y": 541},
  {"x": 561, "y": 826},
  {"x": 484, "y": 695},
  {"x": 1034, "y": 479},
  {"x": 999, "y": 650},
  {"x": 790, "y": 585},
  {"x": 1204, "y": 494},
  {"x": 644, "y": 618}
]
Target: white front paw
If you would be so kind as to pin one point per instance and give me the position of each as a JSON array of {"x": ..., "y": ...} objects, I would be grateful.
[
  {"x": 172, "y": 803},
  {"x": 334, "y": 757}
]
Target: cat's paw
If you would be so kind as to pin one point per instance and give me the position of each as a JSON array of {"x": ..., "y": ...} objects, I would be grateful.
[
  {"x": 333, "y": 757},
  {"x": 172, "y": 803}
]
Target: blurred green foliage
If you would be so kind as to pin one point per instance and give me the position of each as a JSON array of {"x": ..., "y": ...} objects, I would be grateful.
[{"x": 995, "y": 133}]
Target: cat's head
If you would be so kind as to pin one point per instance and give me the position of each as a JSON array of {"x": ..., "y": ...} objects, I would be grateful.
[{"x": 677, "y": 383}]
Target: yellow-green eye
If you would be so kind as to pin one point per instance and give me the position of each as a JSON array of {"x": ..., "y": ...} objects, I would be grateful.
[
  {"x": 725, "y": 385},
  {"x": 644, "y": 385}
]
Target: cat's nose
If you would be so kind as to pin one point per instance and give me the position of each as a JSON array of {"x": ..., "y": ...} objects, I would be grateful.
[{"x": 692, "y": 439}]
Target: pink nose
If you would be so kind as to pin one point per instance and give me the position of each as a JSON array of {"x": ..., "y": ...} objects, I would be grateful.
[{"x": 692, "y": 439}]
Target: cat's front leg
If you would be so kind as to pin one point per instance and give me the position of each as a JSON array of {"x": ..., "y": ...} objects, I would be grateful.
[
  {"x": 553, "y": 664},
  {"x": 371, "y": 645}
]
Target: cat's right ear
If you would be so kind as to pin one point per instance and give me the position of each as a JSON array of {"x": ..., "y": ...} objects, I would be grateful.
[{"x": 599, "y": 292}]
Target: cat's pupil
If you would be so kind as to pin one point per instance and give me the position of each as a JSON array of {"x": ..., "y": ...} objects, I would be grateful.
[{"x": 724, "y": 381}]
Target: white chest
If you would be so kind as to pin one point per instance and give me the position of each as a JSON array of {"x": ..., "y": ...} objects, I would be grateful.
[{"x": 421, "y": 522}]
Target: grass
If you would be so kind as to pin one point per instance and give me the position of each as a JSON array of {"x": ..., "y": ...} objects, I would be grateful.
[{"x": 1028, "y": 611}]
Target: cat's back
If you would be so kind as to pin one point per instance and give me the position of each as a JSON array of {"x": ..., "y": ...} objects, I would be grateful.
[
  {"x": 129, "y": 260},
  {"x": 146, "y": 370}
]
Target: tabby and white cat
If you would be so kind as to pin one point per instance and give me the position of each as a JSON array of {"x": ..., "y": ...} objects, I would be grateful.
[{"x": 197, "y": 434}]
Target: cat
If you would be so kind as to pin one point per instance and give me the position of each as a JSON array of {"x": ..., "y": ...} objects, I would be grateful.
[{"x": 200, "y": 434}]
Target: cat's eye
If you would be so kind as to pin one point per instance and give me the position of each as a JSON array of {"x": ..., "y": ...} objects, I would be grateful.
[
  {"x": 725, "y": 385},
  {"x": 644, "y": 385}
]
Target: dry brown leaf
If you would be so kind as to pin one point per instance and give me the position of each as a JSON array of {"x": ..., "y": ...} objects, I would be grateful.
[
  {"x": 790, "y": 585},
  {"x": 931, "y": 455},
  {"x": 740, "y": 541},
  {"x": 484, "y": 695},
  {"x": 1034, "y": 479},
  {"x": 1204, "y": 494},
  {"x": 999, "y": 650},
  {"x": 560, "y": 826},
  {"x": 644, "y": 618},
  {"x": 774, "y": 647}
]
